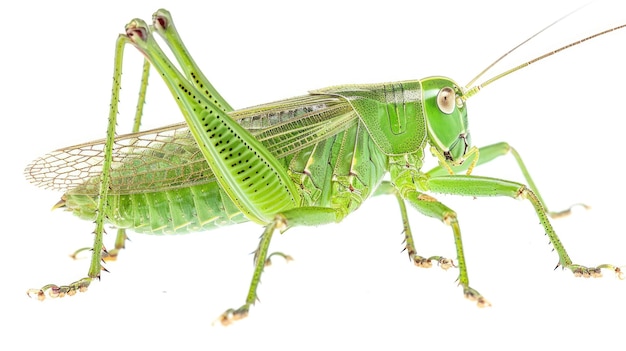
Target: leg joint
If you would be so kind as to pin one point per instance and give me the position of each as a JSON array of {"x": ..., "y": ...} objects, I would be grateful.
[{"x": 449, "y": 218}]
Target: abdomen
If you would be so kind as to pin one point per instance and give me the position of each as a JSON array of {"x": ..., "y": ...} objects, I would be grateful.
[{"x": 177, "y": 211}]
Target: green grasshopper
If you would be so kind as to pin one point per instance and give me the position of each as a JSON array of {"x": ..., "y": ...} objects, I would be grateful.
[{"x": 304, "y": 161}]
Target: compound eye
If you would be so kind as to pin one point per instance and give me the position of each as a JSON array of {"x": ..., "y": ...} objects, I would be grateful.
[{"x": 446, "y": 100}]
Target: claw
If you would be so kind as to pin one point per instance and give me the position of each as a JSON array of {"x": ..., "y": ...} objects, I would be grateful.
[
  {"x": 40, "y": 294},
  {"x": 74, "y": 256},
  {"x": 444, "y": 263},
  {"x": 474, "y": 295},
  {"x": 231, "y": 315},
  {"x": 567, "y": 211},
  {"x": 268, "y": 261},
  {"x": 617, "y": 270},
  {"x": 482, "y": 302},
  {"x": 619, "y": 273}
]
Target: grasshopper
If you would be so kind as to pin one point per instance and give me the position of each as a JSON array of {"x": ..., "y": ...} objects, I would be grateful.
[{"x": 304, "y": 161}]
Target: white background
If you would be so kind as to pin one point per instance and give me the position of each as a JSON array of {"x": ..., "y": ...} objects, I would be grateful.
[{"x": 349, "y": 287}]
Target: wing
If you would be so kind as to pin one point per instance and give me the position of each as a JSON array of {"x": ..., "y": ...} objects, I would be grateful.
[{"x": 168, "y": 158}]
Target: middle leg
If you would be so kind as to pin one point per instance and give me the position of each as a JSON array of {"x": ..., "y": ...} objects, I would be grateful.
[{"x": 431, "y": 207}]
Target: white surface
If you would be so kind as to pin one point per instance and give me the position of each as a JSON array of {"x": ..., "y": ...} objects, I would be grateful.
[{"x": 350, "y": 287}]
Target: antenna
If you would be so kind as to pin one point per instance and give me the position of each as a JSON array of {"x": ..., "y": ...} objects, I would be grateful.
[
  {"x": 521, "y": 44},
  {"x": 475, "y": 89}
]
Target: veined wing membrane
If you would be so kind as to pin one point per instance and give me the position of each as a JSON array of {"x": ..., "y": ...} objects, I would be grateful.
[{"x": 168, "y": 158}]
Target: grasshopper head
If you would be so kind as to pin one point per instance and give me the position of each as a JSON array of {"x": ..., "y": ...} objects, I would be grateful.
[{"x": 446, "y": 119}]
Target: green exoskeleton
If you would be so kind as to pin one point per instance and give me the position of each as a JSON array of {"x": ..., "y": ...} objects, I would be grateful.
[{"x": 303, "y": 161}]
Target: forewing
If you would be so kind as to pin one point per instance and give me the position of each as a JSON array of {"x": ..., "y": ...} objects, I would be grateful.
[
  {"x": 169, "y": 158},
  {"x": 153, "y": 160},
  {"x": 288, "y": 126}
]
